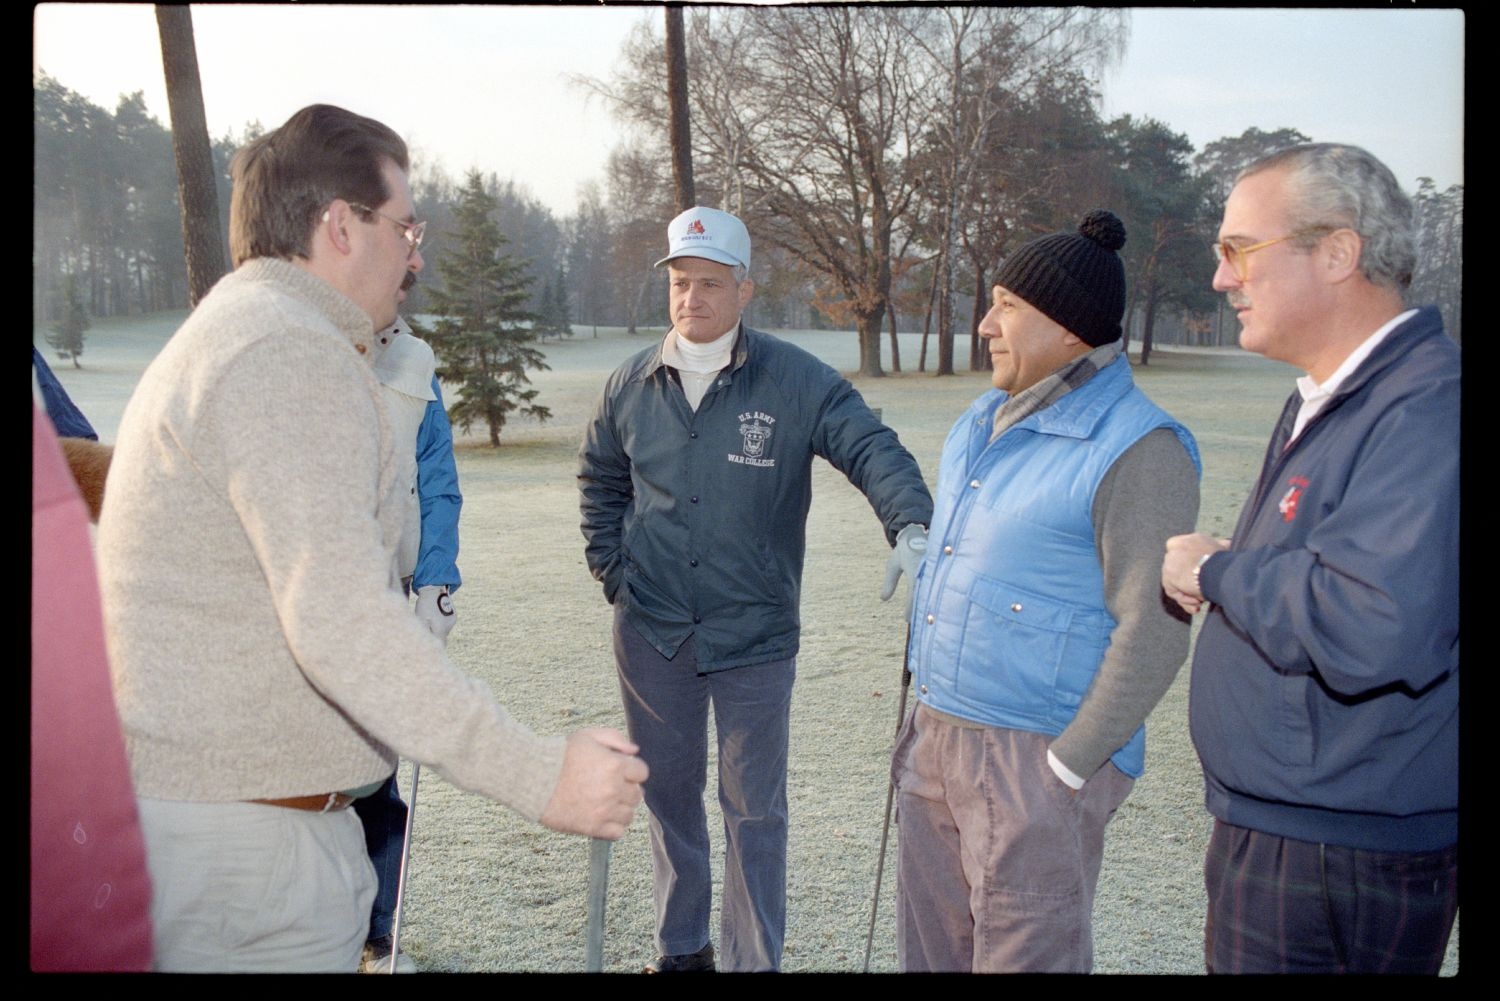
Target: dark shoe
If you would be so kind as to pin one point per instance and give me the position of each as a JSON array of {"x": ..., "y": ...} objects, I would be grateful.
[{"x": 701, "y": 961}]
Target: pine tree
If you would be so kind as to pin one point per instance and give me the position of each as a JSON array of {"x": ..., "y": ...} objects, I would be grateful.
[
  {"x": 72, "y": 320},
  {"x": 483, "y": 337}
]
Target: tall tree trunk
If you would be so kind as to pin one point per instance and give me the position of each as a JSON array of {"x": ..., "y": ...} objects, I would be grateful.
[
  {"x": 1148, "y": 327},
  {"x": 202, "y": 239},
  {"x": 945, "y": 317},
  {"x": 979, "y": 357},
  {"x": 927, "y": 323},
  {"x": 677, "y": 101},
  {"x": 895, "y": 345},
  {"x": 868, "y": 325},
  {"x": 1130, "y": 305}
]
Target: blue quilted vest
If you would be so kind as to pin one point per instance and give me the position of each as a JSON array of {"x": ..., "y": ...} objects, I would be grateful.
[{"x": 1009, "y": 623}]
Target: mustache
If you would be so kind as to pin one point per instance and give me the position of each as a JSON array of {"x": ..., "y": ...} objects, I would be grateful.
[
  {"x": 408, "y": 281},
  {"x": 1238, "y": 300}
]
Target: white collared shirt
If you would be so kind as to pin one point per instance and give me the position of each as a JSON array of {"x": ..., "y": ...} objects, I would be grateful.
[{"x": 1315, "y": 395}]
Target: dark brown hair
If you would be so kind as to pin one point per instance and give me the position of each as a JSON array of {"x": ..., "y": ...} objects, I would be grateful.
[{"x": 282, "y": 181}]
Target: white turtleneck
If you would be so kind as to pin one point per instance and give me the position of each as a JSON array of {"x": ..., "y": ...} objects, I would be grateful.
[{"x": 698, "y": 365}]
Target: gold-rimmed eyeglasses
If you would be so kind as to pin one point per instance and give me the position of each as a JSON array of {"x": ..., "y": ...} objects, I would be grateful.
[
  {"x": 411, "y": 231},
  {"x": 1236, "y": 257}
]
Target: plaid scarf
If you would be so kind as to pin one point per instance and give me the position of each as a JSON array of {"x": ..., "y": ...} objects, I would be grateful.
[{"x": 1053, "y": 388}]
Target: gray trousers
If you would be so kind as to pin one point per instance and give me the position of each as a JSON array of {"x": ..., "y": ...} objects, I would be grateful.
[
  {"x": 998, "y": 858},
  {"x": 666, "y": 711}
]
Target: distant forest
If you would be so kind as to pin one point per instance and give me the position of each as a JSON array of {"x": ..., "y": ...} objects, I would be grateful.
[{"x": 885, "y": 199}]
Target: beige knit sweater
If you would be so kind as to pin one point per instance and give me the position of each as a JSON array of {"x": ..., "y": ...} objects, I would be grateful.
[{"x": 244, "y": 554}]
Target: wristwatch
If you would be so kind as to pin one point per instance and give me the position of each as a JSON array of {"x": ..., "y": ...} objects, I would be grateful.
[{"x": 1197, "y": 569}]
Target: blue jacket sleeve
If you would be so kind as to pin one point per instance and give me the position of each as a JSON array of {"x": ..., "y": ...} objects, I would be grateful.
[
  {"x": 437, "y": 489},
  {"x": 66, "y": 417},
  {"x": 868, "y": 452},
  {"x": 605, "y": 492}
]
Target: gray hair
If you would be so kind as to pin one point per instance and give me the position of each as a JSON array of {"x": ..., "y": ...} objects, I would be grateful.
[
  {"x": 740, "y": 272},
  {"x": 1344, "y": 187}
]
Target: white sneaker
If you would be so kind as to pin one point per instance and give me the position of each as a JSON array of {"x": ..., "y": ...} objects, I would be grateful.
[{"x": 377, "y": 958}]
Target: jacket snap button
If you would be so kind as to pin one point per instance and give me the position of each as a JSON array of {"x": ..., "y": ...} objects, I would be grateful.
[
  {"x": 1016, "y": 607},
  {"x": 975, "y": 484},
  {"x": 930, "y": 621},
  {"x": 924, "y": 689},
  {"x": 947, "y": 550}
]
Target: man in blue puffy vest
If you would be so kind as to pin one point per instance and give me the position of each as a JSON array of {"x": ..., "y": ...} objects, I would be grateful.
[{"x": 1040, "y": 637}]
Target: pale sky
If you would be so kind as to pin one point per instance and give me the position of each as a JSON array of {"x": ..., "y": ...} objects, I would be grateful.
[{"x": 488, "y": 86}]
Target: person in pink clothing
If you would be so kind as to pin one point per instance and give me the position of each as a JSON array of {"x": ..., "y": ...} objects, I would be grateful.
[{"x": 90, "y": 893}]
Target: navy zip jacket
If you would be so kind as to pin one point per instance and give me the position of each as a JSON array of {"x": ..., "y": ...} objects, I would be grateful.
[
  {"x": 696, "y": 521},
  {"x": 1324, "y": 698}
]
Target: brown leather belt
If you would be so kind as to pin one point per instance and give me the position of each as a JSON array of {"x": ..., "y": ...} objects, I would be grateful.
[{"x": 317, "y": 803}]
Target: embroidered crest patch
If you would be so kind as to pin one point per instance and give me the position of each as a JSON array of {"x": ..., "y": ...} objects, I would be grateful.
[{"x": 755, "y": 433}]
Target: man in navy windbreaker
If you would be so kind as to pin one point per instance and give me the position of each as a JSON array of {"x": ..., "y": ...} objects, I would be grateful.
[
  {"x": 1324, "y": 701},
  {"x": 695, "y": 477}
]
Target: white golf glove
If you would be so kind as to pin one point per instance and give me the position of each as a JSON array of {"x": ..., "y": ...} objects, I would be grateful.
[
  {"x": 435, "y": 609},
  {"x": 911, "y": 547}
]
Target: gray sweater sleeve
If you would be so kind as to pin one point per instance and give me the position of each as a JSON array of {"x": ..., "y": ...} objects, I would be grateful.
[{"x": 1148, "y": 495}]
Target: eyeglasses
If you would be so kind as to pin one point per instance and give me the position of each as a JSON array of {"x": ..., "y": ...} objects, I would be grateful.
[
  {"x": 1235, "y": 257},
  {"x": 411, "y": 231}
]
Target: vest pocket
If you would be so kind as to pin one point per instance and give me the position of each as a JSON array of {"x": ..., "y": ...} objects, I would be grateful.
[{"x": 1025, "y": 654}]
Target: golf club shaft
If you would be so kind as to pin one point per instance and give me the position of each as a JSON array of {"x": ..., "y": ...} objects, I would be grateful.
[
  {"x": 593, "y": 959},
  {"x": 411, "y": 817},
  {"x": 890, "y": 797}
]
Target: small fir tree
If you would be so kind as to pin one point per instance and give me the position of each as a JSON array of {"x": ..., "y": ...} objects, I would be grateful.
[
  {"x": 483, "y": 337},
  {"x": 72, "y": 320}
]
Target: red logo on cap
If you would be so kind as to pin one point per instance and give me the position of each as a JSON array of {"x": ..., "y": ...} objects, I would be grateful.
[{"x": 696, "y": 226}]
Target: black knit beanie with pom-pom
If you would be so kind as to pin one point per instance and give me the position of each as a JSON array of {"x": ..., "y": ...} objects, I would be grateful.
[{"x": 1075, "y": 278}]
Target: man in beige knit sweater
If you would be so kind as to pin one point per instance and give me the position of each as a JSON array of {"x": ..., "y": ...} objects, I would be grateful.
[{"x": 266, "y": 672}]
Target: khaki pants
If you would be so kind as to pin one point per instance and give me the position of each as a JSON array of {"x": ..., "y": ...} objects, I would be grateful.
[
  {"x": 245, "y": 887},
  {"x": 998, "y": 858}
]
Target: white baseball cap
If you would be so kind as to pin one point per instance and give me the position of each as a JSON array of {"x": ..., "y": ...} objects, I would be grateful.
[{"x": 710, "y": 234}]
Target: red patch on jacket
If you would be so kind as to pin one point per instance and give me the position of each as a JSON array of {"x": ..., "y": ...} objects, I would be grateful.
[{"x": 1289, "y": 500}]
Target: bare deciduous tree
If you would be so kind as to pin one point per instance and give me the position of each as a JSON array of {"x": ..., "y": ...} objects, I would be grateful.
[
  {"x": 978, "y": 64},
  {"x": 802, "y": 117},
  {"x": 639, "y": 208}
]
